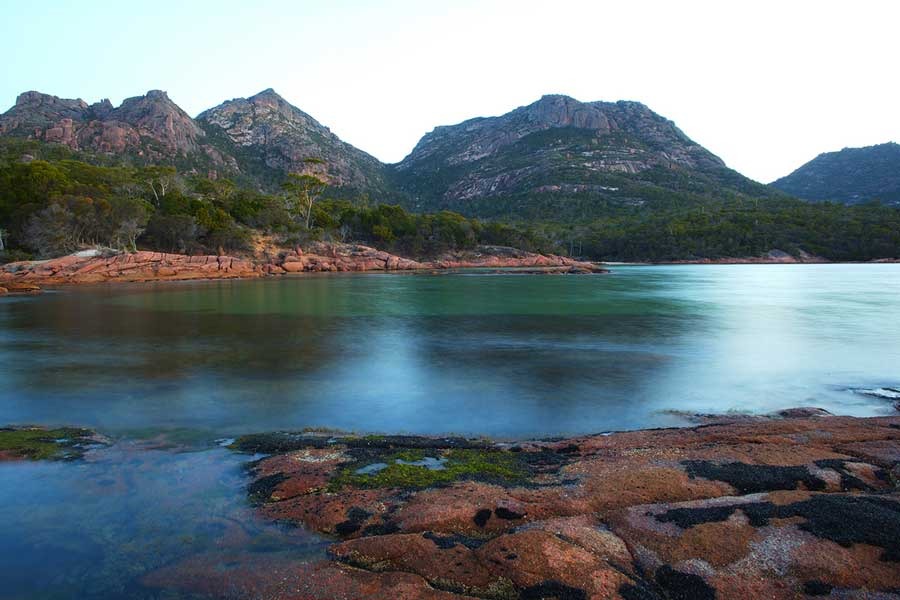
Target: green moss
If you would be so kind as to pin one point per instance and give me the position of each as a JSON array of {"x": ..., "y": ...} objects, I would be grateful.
[
  {"x": 43, "y": 444},
  {"x": 486, "y": 465},
  {"x": 410, "y": 455}
]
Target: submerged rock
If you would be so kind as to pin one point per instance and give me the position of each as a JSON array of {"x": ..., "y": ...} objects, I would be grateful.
[{"x": 763, "y": 508}]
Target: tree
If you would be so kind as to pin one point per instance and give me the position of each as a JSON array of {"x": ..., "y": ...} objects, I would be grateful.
[
  {"x": 159, "y": 179},
  {"x": 3, "y": 235},
  {"x": 51, "y": 231},
  {"x": 174, "y": 233},
  {"x": 303, "y": 190},
  {"x": 129, "y": 219}
]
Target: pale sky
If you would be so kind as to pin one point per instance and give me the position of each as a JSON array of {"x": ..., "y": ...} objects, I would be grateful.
[{"x": 766, "y": 85}]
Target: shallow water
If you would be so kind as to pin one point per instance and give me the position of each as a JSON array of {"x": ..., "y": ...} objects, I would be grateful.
[
  {"x": 168, "y": 368},
  {"x": 93, "y": 529},
  {"x": 503, "y": 355}
]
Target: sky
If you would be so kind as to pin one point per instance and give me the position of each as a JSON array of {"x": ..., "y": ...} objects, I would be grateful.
[{"x": 765, "y": 85}]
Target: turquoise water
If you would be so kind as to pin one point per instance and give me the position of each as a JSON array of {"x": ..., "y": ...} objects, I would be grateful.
[
  {"x": 503, "y": 355},
  {"x": 167, "y": 369}
]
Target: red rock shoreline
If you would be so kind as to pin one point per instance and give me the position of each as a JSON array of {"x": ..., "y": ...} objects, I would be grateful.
[
  {"x": 146, "y": 266},
  {"x": 781, "y": 508}
]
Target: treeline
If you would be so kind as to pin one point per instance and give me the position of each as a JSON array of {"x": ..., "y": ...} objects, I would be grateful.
[
  {"x": 832, "y": 231},
  {"x": 57, "y": 206}
]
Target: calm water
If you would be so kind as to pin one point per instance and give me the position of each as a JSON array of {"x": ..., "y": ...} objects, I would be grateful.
[
  {"x": 166, "y": 369},
  {"x": 504, "y": 355}
]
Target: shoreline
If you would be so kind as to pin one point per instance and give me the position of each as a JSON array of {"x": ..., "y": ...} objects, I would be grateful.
[
  {"x": 143, "y": 266},
  {"x": 701, "y": 511}
]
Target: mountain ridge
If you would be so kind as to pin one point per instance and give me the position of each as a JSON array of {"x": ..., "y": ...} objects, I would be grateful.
[
  {"x": 849, "y": 175},
  {"x": 556, "y": 157}
]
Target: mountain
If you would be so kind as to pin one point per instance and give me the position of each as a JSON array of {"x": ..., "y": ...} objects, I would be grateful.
[
  {"x": 557, "y": 158},
  {"x": 851, "y": 176},
  {"x": 270, "y": 137},
  {"x": 559, "y": 152},
  {"x": 257, "y": 140},
  {"x": 150, "y": 127}
]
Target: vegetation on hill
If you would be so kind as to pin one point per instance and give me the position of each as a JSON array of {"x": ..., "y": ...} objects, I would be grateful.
[
  {"x": 851, "y": 176},
  {"x": 54, "y": 201},
  {"x": 52, "y": 204}
]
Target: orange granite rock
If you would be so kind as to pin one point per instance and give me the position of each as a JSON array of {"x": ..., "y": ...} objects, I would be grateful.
[{"x": 763, "y": 507}]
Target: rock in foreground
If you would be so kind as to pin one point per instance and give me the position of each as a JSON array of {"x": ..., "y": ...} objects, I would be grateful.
[{"x": 766, "y": 508}]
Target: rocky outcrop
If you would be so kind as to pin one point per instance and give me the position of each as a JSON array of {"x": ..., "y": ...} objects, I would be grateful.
[
  {"x": 772, "y": 257},
  {"x": 851, "y": 176},
  {"x": 89, "y": 267},
  {"x": 140, "y": 266},
  {"x": 355, "y": 257},
  {"x": 502, "y": 257},
  {"x": 272, "y": 136},
  {"x": 151, "y": 126},
  {"x": 768, "y": 507}
]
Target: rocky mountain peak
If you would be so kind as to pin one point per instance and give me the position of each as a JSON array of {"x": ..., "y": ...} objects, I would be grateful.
[
  {"x": 150, "y": 126},
  {"x": 279, "y": 138},
  {"x": 564, "y": 111},
  {"x": 268, "y": 94},
  {"x": 155, "y": 115}
]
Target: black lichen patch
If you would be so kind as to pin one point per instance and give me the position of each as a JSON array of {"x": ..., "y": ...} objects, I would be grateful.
[
  {"x": 639, "y": 590},
  {"x": 509, "y": 515},
  {"x": 817, "y": 588},
  {"x": 848, "y": 480},
  {"x": 683, "y": 586},
  {"x": 260, "y": 491},
  {"x": 843, "y": 519},
  {"x": 386, "y": 528},
  {"x": 751, "y": 479},
  {"x": 552, "y": 589},
  {"x": 482, "y": 517},
  {"x": 689, "y": 517},
  {"x": 355, "y": 518},
  {"x": 280, "y": 442},
  {"x": 446, "y": 542},
  {"x": 568, "y": 449},
  {"x": 545, "y": 461},
  {"x": 848, "y": 520}
]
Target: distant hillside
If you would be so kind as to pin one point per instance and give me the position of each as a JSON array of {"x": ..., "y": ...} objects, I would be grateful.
[
  {"x": 851, "y": 176},
  {"x": 561, "y": 158}
]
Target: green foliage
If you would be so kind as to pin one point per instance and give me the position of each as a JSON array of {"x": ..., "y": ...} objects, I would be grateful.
[
  {"x": 393, "y": 228},
  {"x": 303, "y": 191},
  {"x": 52, "y": 204},
  {"x": 833, "y": 231}
]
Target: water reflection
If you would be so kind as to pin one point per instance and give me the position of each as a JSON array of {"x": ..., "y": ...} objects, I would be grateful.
[{"x": 500, "y": 355}]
